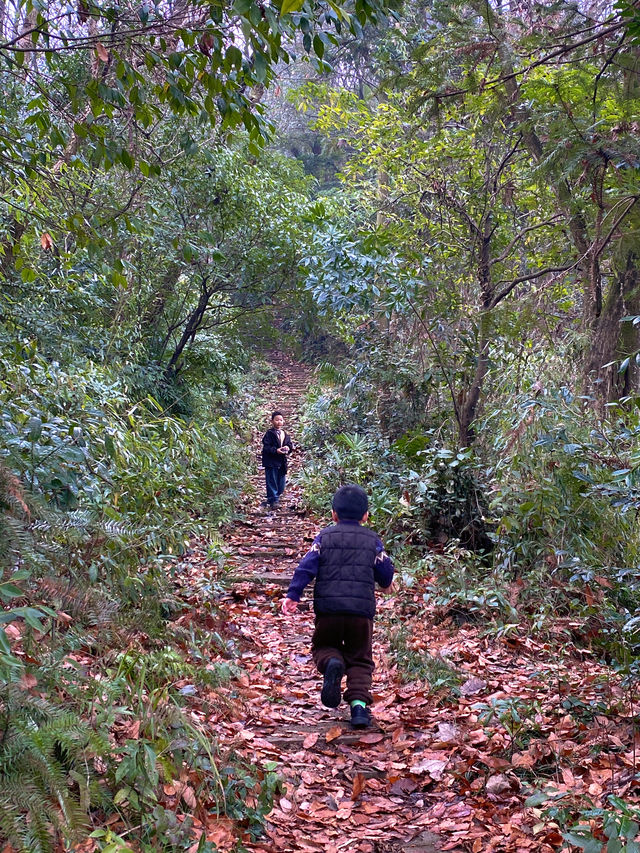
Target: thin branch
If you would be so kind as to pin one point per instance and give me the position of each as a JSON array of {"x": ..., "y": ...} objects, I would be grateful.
[
  {"x": 513, "y": 75},
  {"x": 516, "y": 281},
  {"x": 614, "y": 227},
  {"x": 522, "y": 233}
]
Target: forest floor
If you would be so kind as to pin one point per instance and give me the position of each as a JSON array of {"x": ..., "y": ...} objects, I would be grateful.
[{"x": 440, "y": 769}]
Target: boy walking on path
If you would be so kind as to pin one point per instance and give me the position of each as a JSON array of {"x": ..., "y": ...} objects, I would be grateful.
[
  {"x": 346, "y": 560},
  {"x": 276, "y": 447}
]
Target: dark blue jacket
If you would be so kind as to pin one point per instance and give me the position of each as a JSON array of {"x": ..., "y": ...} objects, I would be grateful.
[{"x": 347, "y": 560}]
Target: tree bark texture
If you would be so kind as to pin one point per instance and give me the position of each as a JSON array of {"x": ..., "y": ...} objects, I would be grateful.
[{"x": 613, "y": 340}]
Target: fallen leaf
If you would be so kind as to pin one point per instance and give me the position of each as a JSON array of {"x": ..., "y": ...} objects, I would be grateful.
[
  {"x": 133, "y": 730},
  {"x": 373, "y": 737},
  {"x": 63, "y": 617},
  {"x": 359, "y": 782},
  {"x": 333, "y": 733},
  {"x": 432, "y": 766},
  {"x": 188, "y": 795},
  {"x": 403, "y": 786},
  {"x": 498, "y": 784},
  {"x": 447, "y": 733},
  {"x": 12, "y": 631},
  {"x": 28, "y": 681},
  {"x": 472, "y": 685},
  {"x": 310, "y": 740},
  {"x": 220, "y": 833}
]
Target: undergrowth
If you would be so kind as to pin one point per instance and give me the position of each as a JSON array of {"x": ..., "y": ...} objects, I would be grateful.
[
  {"x": 539, "y": 520},
  {"x": 98, "y": 680}
]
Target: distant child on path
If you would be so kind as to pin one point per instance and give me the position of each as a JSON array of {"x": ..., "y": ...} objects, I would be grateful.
[
  {"x": 346, "y": 560},
  {"x": 276, "y": 447}
]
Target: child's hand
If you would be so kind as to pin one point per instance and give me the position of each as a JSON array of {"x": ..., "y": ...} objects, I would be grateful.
[{"x": 289, "y": 606}]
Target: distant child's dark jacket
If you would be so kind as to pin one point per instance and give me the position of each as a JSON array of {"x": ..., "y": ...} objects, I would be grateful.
[
  {"x": 346, "y": 560},
  {"x": 270, "y": 444}
]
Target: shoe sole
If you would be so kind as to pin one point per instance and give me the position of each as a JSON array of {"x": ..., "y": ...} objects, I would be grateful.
[
  {"x": 332, "y": 684},
  {"x": 360, "y": 724}
]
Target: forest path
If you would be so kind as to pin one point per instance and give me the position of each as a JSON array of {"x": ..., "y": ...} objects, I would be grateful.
[
  {"x": 448, "y": 764},
  {"x": 343, "y": 788}
]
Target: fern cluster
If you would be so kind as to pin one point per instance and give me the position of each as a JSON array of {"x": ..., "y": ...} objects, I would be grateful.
[{"x": 45, "y": 778}]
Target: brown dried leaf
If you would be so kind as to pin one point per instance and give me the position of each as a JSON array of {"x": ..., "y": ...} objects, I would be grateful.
[
  {"x": 63, "y": 617},
  {"x": 498, "y": 784},
  {"x": 432, "y": 766},
  {"x": 310, "y": 740},
  {"x": 12, "y": 630},
  {"x": 333, "y": 733},
  {"x": 359, "y": 782},
  {"x": 102, "y": 52},
  {"x": 472, "y": 685},
  {"x": 188, "y": 795},
  {"x": 373, "y": 737},
  {"x": 45, "y": 241},
  {"x": 28, "y": 681}
]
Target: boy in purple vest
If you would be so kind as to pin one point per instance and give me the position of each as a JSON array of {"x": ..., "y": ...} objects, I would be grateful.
[{"x": 346, "y": 560}]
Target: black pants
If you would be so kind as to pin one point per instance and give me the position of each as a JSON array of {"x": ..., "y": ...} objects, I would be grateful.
[{"x": 347, "y": 638}]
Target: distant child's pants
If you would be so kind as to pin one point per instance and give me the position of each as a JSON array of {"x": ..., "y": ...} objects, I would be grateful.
[
  {"x": 349, "y": 639},
  {"x": 276, "y": 478}
]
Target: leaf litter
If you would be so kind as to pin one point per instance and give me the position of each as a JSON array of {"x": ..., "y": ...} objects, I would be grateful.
[{"x": 452, "y": 764}]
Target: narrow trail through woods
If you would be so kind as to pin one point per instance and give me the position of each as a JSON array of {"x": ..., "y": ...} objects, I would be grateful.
[
  {"x": 435, "y": 772},
  {"x": 336, "y": 779}
]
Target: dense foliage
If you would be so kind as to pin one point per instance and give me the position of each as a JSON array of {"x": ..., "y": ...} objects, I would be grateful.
[{"x": 439, "y": 204}]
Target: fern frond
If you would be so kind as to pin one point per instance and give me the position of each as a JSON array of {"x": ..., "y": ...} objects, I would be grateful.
[{"x": 40, "y": 745}]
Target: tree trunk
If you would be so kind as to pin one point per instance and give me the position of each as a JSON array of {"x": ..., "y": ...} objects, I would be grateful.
[
  {"x": 469, "y": 407},
  {"x": 190, "y": 330},
  {"x": 613, "y": 341}
]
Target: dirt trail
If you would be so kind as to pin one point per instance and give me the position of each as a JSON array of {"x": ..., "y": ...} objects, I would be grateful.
[
  {"x": 338, "y": 783},
  {"x": 445, "y": 770}
]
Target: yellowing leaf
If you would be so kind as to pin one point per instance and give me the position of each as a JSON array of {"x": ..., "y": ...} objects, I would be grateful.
[{"x": 291, "y": 6}]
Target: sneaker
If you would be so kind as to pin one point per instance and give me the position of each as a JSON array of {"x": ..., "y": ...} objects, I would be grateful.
[
  {"x": 360, "y": 717},
  {"x": 332, "y": 683}
]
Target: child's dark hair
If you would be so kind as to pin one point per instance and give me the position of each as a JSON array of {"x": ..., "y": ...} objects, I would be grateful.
[
  {"x": 350, "y": 503},
  {"x": 275, "y": 415}
]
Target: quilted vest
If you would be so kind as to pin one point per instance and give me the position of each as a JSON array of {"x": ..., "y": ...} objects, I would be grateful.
[{"x": 345, "y": 581}]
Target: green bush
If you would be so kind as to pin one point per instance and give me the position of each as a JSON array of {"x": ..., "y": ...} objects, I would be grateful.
[
  {"x": 97, "y": 490},
  {"x": 566, "y": 498},
  {"x": 116, "y": 483}
]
